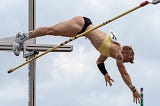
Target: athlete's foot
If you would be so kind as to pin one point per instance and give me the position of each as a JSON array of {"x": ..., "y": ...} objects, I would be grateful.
[{"x": 20, "y": 38}]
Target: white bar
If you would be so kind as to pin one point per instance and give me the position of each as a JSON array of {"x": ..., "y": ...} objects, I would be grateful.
[{"x": 37, "y": 47}]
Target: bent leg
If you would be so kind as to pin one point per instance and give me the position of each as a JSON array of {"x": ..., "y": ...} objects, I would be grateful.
[{"x": 67, "y": 28}]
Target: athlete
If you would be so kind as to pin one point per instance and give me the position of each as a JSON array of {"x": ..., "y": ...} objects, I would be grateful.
[{"x": 105, "y": 44}]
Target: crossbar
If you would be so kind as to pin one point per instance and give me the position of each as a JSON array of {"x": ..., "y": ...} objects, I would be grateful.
[{"x": 37, "y": 47}]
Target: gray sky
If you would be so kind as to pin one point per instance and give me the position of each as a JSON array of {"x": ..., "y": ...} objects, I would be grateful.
[{"x": 72, "y": 79}]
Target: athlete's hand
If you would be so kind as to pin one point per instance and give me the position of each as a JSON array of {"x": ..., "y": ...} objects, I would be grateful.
[
  {"x": 136, "y": 97},
  {"x": 108, "y": 79}
]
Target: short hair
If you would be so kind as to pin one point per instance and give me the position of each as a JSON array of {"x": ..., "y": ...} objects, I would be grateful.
[{"x": 129, "y": 51}]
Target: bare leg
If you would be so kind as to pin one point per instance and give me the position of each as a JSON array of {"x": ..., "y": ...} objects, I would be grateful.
[{"x": 67, "y": 28}]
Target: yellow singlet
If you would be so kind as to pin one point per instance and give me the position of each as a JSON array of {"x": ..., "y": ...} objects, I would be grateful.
[{"x": 104, "y": 47}]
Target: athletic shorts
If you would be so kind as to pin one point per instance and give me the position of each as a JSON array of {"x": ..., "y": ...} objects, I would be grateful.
[{"x": 87, "y": 22}]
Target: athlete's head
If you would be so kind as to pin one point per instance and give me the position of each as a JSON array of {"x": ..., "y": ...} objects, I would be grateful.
[{"x": 128, "y": 54}]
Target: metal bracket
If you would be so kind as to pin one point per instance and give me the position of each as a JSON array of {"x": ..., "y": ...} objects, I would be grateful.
[
  {"x": 155, "y": 1},
  {"x": 27, "y": 54}
]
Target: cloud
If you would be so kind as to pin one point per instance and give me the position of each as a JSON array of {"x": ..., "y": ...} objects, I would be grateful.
[
  {"x": 77, "y": 65},
  {"x": 76, "y": 74},
  {"x": 14, "y": 16},
  {"x": 13, "y": 92},
  {"x": 73, "y": 78}
]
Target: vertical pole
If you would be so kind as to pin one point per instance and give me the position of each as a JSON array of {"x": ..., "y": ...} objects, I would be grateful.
[
  {"x": 32, "y": 65},
  {"x": 141, "y": 91}
]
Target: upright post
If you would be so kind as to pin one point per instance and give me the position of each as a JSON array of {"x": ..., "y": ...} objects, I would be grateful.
[
  {"x": 30, "y": 49},
  {"x": 32, "y": 65},
  {"x": 141, "y": 91}
]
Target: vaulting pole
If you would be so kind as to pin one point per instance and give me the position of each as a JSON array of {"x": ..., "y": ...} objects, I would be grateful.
[{"x": 79, "y": 35}]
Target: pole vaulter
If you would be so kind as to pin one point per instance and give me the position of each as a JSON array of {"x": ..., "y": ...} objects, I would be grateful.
[{"x": 84, "y": 33}]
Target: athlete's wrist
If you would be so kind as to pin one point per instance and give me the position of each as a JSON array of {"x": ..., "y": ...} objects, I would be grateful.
[
  {"x": 132, "y": 88},
  {"x": 102, "y": 68}
]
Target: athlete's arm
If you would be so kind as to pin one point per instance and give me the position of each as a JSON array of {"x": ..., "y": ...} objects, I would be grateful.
[
  {"x": 123, "y": 71},
  {"x": 101, "y": 66},
  {"x": 126, "y": 78}
]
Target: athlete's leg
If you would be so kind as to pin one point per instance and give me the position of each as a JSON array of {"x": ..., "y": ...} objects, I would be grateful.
[{"x": 67, "y": 28}]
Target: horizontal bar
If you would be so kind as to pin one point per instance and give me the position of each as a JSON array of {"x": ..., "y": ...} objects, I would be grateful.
[
  {"x": 44, "y": 47},
  {"x": 37, "y": 47}
]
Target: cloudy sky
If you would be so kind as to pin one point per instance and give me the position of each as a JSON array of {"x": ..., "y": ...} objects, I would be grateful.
[{"x": 72, "y": 79}]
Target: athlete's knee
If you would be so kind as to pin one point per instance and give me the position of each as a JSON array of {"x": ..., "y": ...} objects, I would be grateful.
[
  {"x": 47, "y": 30},
  {"x": 53, "y": 30}
]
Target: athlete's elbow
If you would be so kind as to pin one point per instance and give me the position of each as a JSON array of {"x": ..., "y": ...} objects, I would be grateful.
[{"x": 97, "y": 62}]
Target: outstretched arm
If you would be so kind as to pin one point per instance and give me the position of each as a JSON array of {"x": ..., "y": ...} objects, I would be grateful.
[
  {"x": 101, "y": 66},
  {"x": 126, "y": 78}
]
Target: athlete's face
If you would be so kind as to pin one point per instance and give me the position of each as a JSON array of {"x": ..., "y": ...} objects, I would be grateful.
[{"x": 127, "y": 58}]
